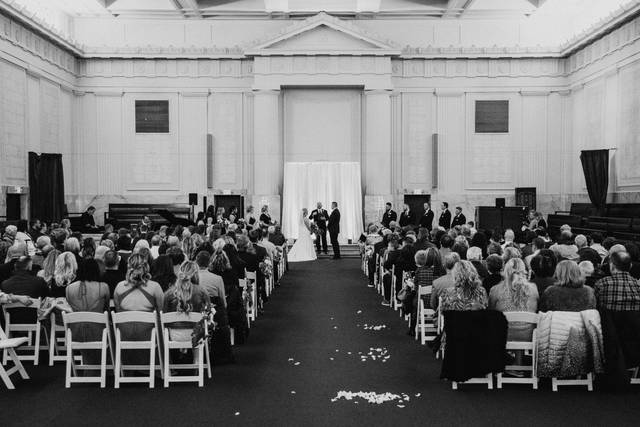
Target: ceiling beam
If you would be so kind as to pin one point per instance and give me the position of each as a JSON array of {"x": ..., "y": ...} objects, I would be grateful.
[
  {"x": 455, "y": 8},
  {"x": 188, "y": 7}
]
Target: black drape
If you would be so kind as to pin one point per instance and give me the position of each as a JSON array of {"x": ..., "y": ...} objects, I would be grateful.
[
  {"x": 46, "y": 186},
  {"x": 595, "y": 164}
]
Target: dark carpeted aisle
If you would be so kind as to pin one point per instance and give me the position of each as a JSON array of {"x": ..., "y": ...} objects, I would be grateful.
[{"x": 311, "y": 315}]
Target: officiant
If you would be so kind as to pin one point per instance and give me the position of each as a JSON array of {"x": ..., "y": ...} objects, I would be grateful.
[{"x": 320, "y": 216}]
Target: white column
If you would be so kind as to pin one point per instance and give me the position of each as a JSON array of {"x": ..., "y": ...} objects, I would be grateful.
[
  {"x": 377, "y": 153},
  {"x": 267, "y": 151}
]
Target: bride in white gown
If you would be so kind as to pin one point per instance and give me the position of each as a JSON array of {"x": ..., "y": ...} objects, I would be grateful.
[{"x": 303, "y": 249}]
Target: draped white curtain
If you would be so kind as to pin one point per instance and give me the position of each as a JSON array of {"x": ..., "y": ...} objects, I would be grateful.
[{"x": 307, "y": 183}]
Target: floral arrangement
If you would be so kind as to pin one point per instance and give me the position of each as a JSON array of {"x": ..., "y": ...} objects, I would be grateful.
[
  {"x": 277, "y": 256},
  {"x": 266, "y": 267},
  {"x": 200, "y": 332},
  {"x": 314, "y": 228}
]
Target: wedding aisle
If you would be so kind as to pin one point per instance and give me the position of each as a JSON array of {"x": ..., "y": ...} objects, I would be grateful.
[{"x": 315, "y": 342}]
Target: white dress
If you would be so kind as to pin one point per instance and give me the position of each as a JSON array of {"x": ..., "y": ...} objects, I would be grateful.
[{"x": 303, "y": 249}]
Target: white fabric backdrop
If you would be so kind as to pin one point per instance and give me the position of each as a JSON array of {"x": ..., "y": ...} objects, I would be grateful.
[{"x": 307, "y": 183}]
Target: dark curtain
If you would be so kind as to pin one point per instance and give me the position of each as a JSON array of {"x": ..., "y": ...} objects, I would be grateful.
[
  {"x": 46, "y": 186},
  {"x": 595, "y": 164}
]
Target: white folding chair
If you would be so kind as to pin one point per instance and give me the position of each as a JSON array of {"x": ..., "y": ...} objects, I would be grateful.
[
  {"x": 405, "y": 279},
  {"x": 200, "y": 353},
  {"x": 440, "y": 326},
  {"x": 56, "y": 341},
  {"x": 252, "y": 279},
  {"x": 9, "y": 345},
  {"x": 525, "y": 348},
  {"x": 31, "y": 329},
  {"x": 427, "y": 318},
  {"x": 151, "y": 345},
  {"x": 394, "y": 295},
  {"x": 103, "y": 345},
  {"x": 584, "y": 380}
]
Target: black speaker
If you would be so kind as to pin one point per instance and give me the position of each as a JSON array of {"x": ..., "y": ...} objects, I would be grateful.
[
  {"x": 193, "y": 199},
  {"x": 500, "y": 202}
]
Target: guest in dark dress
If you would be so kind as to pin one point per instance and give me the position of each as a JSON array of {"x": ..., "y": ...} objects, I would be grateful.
[
  {"x": 162, "y": 271},
  {"x": 112, "y": 273},
  {"x": 65, "y": 273},
  {"x": 265, "y": 217},
  {"x": 494, "y": 268},
  {"x": 543, "y": 267}
]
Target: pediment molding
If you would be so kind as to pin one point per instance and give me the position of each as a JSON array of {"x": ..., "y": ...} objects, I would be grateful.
[{"x": 320, "y": 35}]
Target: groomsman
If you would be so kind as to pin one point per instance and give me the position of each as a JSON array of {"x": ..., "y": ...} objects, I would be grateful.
[
  {"x": 426, "y": 221},
  {"x": 389, "y": 216},
  {"x": 459, "y": 218},
  {"x": 406, "y": 217},
  {"x": 334, "y": 229},
  {"x": 320, "y": 217},
  {"x": 445, "y": 216}
]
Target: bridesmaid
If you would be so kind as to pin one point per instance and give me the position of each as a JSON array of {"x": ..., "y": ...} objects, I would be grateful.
[
  {"x": 250, "y": 218},
  {"x": 265, "y": 217}
]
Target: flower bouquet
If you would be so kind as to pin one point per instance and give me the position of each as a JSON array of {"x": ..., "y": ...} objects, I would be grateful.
[{"x": 266, "y": 267}]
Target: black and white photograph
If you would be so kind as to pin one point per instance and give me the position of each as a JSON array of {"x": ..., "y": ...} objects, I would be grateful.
[{"x": 319, "y": 212}]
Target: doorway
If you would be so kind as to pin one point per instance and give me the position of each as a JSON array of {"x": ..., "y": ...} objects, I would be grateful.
[
  {"x": 416, "y": 204},
  {"x": 229, "y": 201},
  {"x": 14, "y": 207}
]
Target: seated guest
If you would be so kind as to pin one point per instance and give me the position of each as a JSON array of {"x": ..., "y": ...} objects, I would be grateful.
[
  {"x": 49, "y": 266},
  {"x": 634, "y": 253},
  {"x": 537, "y": 244},
  {"x": 112, "y": 273},
  {"x": 211, "y": 283},
  {"x": 581, "y": 241},
  {"x": 441, "y": 284},
  {"x": 65, "y": 273},
  {"x": 277, "y": 238},
  {"x": 138, "y": 292},
  {"x": 391, "y": 258},
  {"x": 568, "y": 292},
  {"x": 177, "y": 258},
  {"x": 565, "y": 247},
  {"x": 265, "y": 243},
  {"x": 428, "y": 268},
  {"x": 124, "y": 247},
  {"x": 88, "y": 248},
  {"x": 8, "y": 239},
  {"x": 446, "y": 242},
  {"x": 22, "y": 282},
  {"x": 87, "y": 219},
  {"x": 41, "y": 243},
  {"x": 596, "y": 244},
  {"x": 592, "y": 257},
  {"x": 509, "y": 238},
  {"x": 515, "y": 292},
  {"x": 494, "y": 270},
  {"x": 88, "y": 293},
  {"x": 494, "y": 248},
  {"x": 72, "y": 245},
  {"x": 620, "y": 291},
  {"x": 14, "y": 252},
  {"x": 510, "y": 252},
  {"x": 543, "y": 267},
  {"x": 162, "y": 272},
  {"x": 185, "y": 296},
  {"x": 467, "y": 292},
  {"x": 423, "y": 242},
  {"x": 247, "y": 253},
  {"x": 155, "y": 246},
  {"x": 474, "y": 254}
]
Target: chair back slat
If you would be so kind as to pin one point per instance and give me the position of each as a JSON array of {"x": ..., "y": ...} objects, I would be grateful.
[
  {"x": 521, "y": 316},
  {"x": 424, "y": 290},
  {"x": 175, "y": 317},
  {"x": 35, "y": 304},
  {"x": 134, "y": 316},
  {"x": 85, "y": 317},
  {"x": 250, "y": 275}
]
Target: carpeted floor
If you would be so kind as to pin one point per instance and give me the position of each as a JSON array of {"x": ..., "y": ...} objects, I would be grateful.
[{"x": 318, "y": 313}]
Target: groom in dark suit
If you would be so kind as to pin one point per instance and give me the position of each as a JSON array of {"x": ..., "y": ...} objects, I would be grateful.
[
  {"x": 334, "y": 229},
  {"x": 319, "y": 217}
]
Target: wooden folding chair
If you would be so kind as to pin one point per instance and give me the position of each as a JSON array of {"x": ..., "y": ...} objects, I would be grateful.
[
  {"x": 151, "y": 345},
  {"x": 103, "y": 345},
  {"x": 526, "y": 348},
  {"x": 33, "y": 330},
  {"x": 200, "y": 353},
  {"x": 9, "y": 345},
  {"x": 427, "y": 318}
]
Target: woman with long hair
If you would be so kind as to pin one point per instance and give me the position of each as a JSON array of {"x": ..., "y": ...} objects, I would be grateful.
[
  {"x": 138, "y": 292},
  {"x": 49, "y": 266},
  {"x": 65, "y": 271},
  {"x": 468, "y": 292},
  {"x": 515, "y": 293}
]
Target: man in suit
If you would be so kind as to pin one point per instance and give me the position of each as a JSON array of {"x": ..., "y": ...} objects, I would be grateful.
[
  {"x": 459, "y": 218},
  {"x": 406, "y": 217},
  {"x": 334, "y": 229},
  {"x": 389, "y": 216},
  {"x": 445, "y": 216},
  {"x": 426, "y": 221},
  {"x": 319, "y": 216}
]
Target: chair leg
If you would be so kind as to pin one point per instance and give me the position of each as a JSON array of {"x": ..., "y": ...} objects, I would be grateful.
[
  {"x": 201, "y": 365},
  {"x": 18, "y": 364},
  {"x": 36, "y": 347},
  {"x": 52, "y": 342},
  {"x": 6, "y": 379},
  {"x": 208, "y": 359},
  {"x": 117, "y": 368},
  {"x": 103, "y": 362},
  {"x": 152, "y": 362},
  {"x": 167, "y": 361},
  {"x": 67, "y": 376}
]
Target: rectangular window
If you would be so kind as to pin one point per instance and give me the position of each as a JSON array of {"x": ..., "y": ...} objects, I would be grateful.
[
  {"x": 492, "y": 117},
  {"x": 152, "y": 116}
]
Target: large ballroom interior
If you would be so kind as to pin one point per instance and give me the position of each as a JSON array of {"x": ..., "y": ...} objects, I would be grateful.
[{"x": 321, "y": 212}]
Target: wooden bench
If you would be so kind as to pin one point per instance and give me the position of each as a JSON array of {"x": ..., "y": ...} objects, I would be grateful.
[{"x": 128, "y": 214}]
